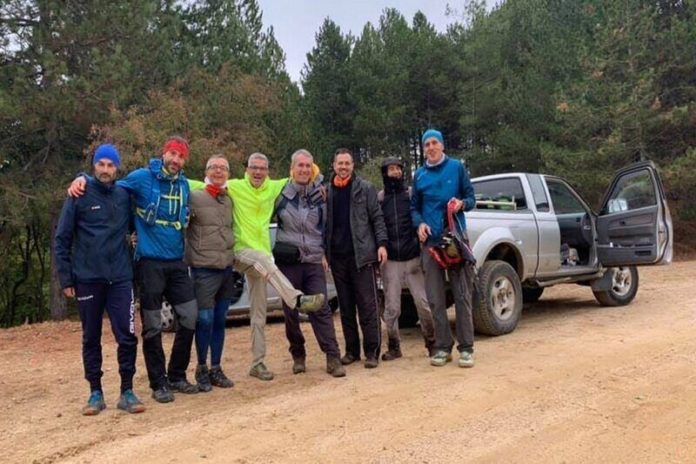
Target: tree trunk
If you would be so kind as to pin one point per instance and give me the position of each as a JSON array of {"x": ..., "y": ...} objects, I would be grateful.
[{"x": 58, "y": 304}]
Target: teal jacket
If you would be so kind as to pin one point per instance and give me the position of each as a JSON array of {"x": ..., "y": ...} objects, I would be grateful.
[{"x": 433, "y": 187}]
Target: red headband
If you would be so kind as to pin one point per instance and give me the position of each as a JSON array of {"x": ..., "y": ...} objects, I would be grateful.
[{"x": 176, "y": 145}]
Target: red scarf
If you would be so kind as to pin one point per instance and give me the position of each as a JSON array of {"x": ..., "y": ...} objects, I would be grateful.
[
  {"x": 213, "y": 189},
  {"x": 340, "y": 183}
]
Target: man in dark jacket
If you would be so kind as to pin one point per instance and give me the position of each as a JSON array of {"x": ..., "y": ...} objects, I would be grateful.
[
  {"x": 404, "y": 260},
  {"x": 93, "y": 263},
  {"x": 160, "y": 192},
  {"x": 356, "y": 240}
]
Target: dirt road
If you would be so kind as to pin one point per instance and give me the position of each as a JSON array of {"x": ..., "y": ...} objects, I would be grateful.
[{"x": 574, "y": 383}]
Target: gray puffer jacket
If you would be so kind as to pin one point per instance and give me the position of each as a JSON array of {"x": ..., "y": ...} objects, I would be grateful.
[
  {"x": 367, "y": 228},
  {"x": 301, "y": 219}
]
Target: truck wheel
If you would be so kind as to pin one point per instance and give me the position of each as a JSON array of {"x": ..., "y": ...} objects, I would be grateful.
[
  {"x": 531, "y": 294},
  {"x": 409, "y": 315},
  {"x": 624, "y": 286},
  {"x": 498, "y": 306}
]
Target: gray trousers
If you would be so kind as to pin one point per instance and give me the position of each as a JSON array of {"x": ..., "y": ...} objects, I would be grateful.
[
  {"x": 396, "y": 274},
  {"x": 462, "y": 283},
  {"x": 260, "y": 269}
]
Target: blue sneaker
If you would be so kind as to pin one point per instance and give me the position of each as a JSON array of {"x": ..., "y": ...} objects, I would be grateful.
[
  {"x": 95, "y": 404},
  {"x": 130, "y": 403}
]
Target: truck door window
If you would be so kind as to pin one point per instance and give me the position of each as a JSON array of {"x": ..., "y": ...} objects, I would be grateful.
[
  {"x": 632, "y": 191},
  {"x": 563, "y": 199},
  {"x": 538, "y": 192},
  {"x": 500, "y": 194}
]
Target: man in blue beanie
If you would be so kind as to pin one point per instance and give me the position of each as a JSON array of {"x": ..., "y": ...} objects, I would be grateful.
[
  {"x": 160, "y": 193},
  {"x": 93, "y": 263},
  {"x": 439, "y": 181}
]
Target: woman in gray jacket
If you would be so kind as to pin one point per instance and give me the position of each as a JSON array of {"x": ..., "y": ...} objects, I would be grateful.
[{"x": 299, "y": 254}]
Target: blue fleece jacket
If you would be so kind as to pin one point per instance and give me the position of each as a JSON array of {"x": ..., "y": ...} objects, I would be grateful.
[
  {"x": 164, "y": 239},
  {"x": 90, "y": 242},
  {"x": 433, "y": 187}
]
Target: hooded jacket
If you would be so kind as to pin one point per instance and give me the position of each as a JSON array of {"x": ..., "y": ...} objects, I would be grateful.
[
  {"x": 90, "y": 242},
  {"x": 396, "y": 205}
]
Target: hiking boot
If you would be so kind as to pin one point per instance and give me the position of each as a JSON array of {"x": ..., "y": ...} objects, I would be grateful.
[
  {"x": 349, "y": 358},
  {"x": 298, "y": 365},
  {"x": 310, "y": 303},
  {"x": 95, "y": 404},
  {"x": 183, "y": 386},
  {"x": 394, "y": 351},
  {"x": 163, "y": 394},
  {"x": 219, "y": 379},
  {"x": 334, "y": 367},
  {"x": 261, "y": 372},
  {"x": 440, "y": 358},
  {"x": 130, "y": 403},
  {"x": 391, "y": 355},
  {"x": 203, "y": 378},
  {"x": 466, "y": 359},
  {"x": 371, "y": 363}
]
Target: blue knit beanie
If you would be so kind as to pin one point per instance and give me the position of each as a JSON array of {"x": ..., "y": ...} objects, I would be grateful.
[
  {"x": 430, "y": 133},
  {"x": 107, "y": 151}
]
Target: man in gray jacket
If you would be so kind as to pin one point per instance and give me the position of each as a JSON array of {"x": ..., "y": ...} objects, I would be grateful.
[
  {"x": 356, "y": 240},
  {"x": 299, "y": 254}
]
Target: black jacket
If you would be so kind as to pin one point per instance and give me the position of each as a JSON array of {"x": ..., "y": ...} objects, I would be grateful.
[
  {"x": 396, "y": 205},
  {"x": 90, "y": 241},
  {"x": 366, "y": 221}
]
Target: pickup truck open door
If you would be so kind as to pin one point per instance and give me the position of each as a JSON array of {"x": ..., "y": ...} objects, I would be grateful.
[{"x": 634, "y": 226}]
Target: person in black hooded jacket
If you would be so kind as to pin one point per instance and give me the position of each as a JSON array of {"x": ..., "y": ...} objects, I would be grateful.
[{"x": 403, "y": 250}]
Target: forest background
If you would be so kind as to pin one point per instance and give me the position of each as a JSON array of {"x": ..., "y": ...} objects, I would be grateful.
[{"x": 573, "y": 88}]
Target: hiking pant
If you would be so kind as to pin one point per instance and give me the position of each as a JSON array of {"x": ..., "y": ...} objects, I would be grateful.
[
  {"x": 311, "y": 279},
  {"x": 394, "y": 275},
  {"x": 357, "y": 287},
  {"x": 117, "y": 299},
  {"x": 260, "y": 269},
  {"x": 169, "y": 279},
  {"x": 461, "y": 281},
  {"x": 214, "y": 288}
]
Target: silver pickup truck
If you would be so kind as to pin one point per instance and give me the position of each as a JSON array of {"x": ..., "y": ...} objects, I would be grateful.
[{"x": 531, "y": 231}]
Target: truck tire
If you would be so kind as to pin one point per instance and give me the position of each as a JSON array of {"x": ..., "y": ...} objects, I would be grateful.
[
  {"x": 624, "y": 286},
  {"x": 531, "y": 294},
  {"x": 497, "y": 306},
  {"x": 409, "y": 315}
]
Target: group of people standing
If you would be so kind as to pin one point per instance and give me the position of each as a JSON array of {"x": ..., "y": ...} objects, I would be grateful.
[{"x": 191, "y": 235}]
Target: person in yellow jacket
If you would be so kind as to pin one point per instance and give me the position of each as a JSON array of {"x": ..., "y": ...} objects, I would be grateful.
[{"x": 253, "y": 200}]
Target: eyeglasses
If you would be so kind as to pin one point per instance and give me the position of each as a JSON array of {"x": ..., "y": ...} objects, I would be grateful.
[
  {"x": 218, "y": 167},
  {"x": 258, "y": 168}
]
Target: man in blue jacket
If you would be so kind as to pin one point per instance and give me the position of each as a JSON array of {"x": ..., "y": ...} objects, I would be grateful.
[
  {"x": 93, "y": 264},
  {"x": 160, "y": 192},
  {"x": 438, "y": 181}
]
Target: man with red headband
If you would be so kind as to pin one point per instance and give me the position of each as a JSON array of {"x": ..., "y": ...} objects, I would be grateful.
[{"x": 160, "y": 193}]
